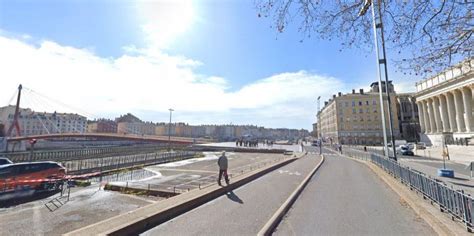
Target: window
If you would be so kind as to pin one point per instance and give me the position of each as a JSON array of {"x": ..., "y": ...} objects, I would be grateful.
[
  {"x": 353, "y": 103},
  {"x": 353, "y": 110},
  {"x": 347, "y": 104},
  {"x": 360, "y": 103},
  {"x": 361, "y": 111},
  {"x": 374, "y": 102},
  {"x": 367, "y": 110},
  {"x": 375, "y": 110}
]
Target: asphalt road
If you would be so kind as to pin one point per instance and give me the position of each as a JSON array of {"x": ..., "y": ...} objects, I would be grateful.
[
  {"x": 245, "y": 210},
  {"x": 345, "y": 198}
]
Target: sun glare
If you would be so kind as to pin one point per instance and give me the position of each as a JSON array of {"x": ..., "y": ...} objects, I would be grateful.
[{"x": 164, "y": 20}]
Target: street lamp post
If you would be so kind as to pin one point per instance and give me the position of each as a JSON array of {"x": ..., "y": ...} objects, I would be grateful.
[
  {"x": 381, "y": 60},
  {"x": 319, "y": 131},
  {"x": 169, "y": 130}
]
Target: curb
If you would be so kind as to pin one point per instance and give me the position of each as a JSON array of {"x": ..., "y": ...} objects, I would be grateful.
[
  {"x": 145, "y": 218},
  {"x": 438, "y": 224},
  {"x": 270, "y": 226}
]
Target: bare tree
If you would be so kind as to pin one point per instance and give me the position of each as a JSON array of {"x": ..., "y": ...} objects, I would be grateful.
[{"x": 428, "y": 35}]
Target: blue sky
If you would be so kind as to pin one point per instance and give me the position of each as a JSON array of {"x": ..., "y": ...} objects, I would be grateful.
[{"x": 224, "y": 64}]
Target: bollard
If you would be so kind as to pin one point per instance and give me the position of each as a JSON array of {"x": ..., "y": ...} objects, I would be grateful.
[{"x": 68, "y": 192}]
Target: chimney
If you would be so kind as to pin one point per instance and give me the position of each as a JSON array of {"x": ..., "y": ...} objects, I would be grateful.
[
  {"x": 334, "y": 96},
  {"x": 361, "y": 91},
  {"x": 325, "y": 103},
  {"x": 339, "y": 94},
  {"x": 353, "y": 91}
]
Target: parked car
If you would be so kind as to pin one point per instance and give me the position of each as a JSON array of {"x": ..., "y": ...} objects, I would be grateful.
[
  {"x": 407, "y": 152},
  {"x": 45, "y": 175},
  {"x": 5, "y": 161},
  {"x": 421, "y": 145}
]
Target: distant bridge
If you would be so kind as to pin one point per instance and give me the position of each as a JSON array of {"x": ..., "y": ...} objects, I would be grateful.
[{"x": 115, "y": 136}]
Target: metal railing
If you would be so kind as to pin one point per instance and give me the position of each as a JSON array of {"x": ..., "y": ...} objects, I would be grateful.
[
  {"x": 199, "y": 183},
  {"x": 124, "y": 161},
  {"x": 455, "y": 202}
]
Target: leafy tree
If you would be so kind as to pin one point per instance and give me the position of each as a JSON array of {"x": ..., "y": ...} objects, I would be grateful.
[{"x": 428, "y": 35}]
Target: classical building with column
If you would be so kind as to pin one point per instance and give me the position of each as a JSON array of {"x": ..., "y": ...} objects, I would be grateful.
[
  {"x": 445, "y": 104},
  {"x": 408, "y": 119}
]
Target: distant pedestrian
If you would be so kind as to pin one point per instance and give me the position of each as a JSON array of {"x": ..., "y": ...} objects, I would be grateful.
[
  {"x": 222, "y": 163},
  {"x": 340, "y": 148},
  {"x": 365, "y": 149}
]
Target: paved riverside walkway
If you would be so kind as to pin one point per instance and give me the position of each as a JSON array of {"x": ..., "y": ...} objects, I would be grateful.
[
  {"x": 345, "y": 197},
  {"x": 245, "y": 210}
]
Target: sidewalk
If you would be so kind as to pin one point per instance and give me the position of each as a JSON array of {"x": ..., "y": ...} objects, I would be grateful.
[
  {"x": 459, "y": 154},
  {"x": 460, "y": 181}
]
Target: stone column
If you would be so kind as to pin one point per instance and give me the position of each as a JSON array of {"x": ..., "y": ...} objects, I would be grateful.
[
  {"x": 467, "y": 99},
  {"x": 439, "y": 126},
  {"x": 459, "y": 111},
  {"x": 431, "y": 115},
  {"x": 426, "y": 116},
  {"x": 421, "y": 115},
  {"x": 451, "y": 111},
  {"x": 402, "y": 118},
  {"x": 412, "y": 103},
  {"x": 444, "y": 113}
]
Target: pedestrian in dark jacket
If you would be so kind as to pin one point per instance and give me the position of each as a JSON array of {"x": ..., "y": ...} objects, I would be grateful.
[{"x": 223, "y": 165}]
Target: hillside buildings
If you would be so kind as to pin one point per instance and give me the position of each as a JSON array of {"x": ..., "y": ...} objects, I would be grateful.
[{"x": 37, "y": 123}]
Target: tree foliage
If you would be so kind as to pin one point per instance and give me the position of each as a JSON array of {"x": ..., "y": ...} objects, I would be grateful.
[{"x": 428, "y": 35}]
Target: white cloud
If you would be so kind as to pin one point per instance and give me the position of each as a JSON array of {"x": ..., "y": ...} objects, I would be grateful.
[{"x": 137, "y": 82}]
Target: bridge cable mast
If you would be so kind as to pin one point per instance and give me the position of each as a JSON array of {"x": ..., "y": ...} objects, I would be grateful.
[{"x": 15, "y": 124}]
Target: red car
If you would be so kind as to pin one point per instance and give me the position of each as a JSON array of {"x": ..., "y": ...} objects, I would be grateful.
[{"x": 45, "y": 175}]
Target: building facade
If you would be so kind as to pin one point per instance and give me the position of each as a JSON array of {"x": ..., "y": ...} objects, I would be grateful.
[
  {"x": 355, "y": 118},
  {"x": 102, "y": 126},
  {"x": 445, "y": 104},
  {"x": 408, "y": 119},
  {"x": 37, "y": 123}
]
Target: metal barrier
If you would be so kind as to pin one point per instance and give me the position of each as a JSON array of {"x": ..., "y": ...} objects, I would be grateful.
[
  {"x": 200, "y": 183},
  {"x": 455, "y": 202}
]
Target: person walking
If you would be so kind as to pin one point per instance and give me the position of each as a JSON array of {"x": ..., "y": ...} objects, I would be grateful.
[{"x": 223, "y": 164}]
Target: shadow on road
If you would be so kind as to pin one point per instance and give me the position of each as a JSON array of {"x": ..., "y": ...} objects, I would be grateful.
[{"x": 231, "y": 195}]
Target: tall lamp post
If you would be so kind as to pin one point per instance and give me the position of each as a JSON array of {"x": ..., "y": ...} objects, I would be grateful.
[
  {"x": 381, "y": 61},
  {"x": 169, "y": 130},
  {"x": 319, "y": 131}
]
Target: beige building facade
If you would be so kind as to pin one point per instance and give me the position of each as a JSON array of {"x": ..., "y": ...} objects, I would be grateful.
[
  {"x": 445, "y": 104},
  {"x": 355, "y": 118}
]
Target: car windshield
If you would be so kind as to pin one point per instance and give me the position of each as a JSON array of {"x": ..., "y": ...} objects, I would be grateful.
[{"x": 236, "y": 117}]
